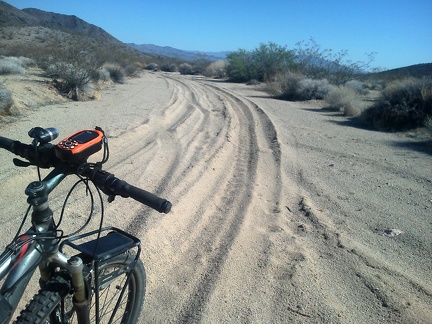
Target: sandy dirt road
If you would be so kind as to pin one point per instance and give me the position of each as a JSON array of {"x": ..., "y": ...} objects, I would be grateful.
[{"x": 279, "y": 207}]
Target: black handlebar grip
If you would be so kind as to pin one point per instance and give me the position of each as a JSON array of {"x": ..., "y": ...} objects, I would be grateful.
[
  {"x": 145, "y": 197},
  {"x": 6, "y": 143},
  {"x": 45, "y": 157},
  {"x": 111, "y": 185}
]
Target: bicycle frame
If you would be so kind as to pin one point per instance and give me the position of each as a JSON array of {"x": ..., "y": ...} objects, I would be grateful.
[
  {"x": 20, "y": 264},
  {"x": 42, "y": 245}
]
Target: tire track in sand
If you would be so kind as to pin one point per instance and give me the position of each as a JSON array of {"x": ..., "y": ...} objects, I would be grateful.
[{"x": 214, "y": 184}]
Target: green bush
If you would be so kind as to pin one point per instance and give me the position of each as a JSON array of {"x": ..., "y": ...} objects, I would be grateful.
[
  {"x": 263, "y": 64},
  {"x": 6, "y": 101},
  {"x": 345, "y": 100},
  {"x": 404, "y": 104}
]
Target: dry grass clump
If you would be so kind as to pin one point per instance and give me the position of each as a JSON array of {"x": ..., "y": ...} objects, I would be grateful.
[
  {"x": 116, "y": 72},
  {"x": 346, "y": 100},
  {"x": 404, "y": 104}
]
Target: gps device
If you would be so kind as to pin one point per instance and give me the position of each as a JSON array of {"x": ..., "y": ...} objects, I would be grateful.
[{"x": 79, "y": 146}]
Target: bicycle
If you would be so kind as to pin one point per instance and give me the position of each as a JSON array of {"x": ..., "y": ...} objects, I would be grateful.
[{"x": 104, "y": 279}]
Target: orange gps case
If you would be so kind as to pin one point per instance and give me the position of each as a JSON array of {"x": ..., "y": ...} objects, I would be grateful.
[{"x": 79, "y": 146}]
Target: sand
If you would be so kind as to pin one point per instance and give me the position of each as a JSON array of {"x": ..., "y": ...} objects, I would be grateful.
[{"x": 280, "y": 209}]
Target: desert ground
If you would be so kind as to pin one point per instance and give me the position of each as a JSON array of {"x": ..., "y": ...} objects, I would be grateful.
[{"x": 283, "y": 212}]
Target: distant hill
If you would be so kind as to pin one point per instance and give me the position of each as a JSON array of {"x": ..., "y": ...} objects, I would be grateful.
[
  {"x": 36, "y": 34},
  {"x": 417, "y": 71},
  {"x": 13, "y": 17},
  {"x": 69, "y": 24},
  {"x": 31, "y": 17},
  {"x": 179, "y": 54}
]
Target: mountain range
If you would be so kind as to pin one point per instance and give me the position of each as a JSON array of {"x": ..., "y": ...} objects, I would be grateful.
[
  {"x": 31, "y": 17},
  {"x": 11, "y": 17},
  {"x": 171, "y": 52}
]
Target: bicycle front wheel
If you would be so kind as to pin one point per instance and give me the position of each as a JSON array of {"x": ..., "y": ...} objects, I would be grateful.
[{"x": 53, "y": 305}]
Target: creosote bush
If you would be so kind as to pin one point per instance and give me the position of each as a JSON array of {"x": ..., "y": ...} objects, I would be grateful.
[
  {"x": 345, "y": 100},
  {"x": 404, "y": 104}
]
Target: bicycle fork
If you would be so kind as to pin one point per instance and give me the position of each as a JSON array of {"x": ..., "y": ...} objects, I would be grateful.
[{"x": 74, "y": 266}]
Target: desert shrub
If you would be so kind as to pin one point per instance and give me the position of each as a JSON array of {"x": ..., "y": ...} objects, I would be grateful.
[
  {"x": 241, "y": 67},
  {"x": 357, "y": 86},
  {"x": 186, "y": 68},
  {"x": 263, "y": 64},
  {"x": 317, "y": 63},
  {"x": 152, "y": 67},
  {"x": 294, "y": 86},
  {"x": 216, "y": 69},
  {"x": 374, "y": 84},
  {"x": 313, "y": 89},
  {"x": 115, "y": 71},
  {"x": 11, "y": 65},
  {"x": 69, "y": 77},
  {"x": 345, "y": 100},
  {"x": 285, "y": 85},
  {"x": 133, "y": 69},
  {"x": 404, "y": 104},
  {"x": 6, "y": 101},
  {"x": 26, "y": 62},
  {"x": 71, "y": 68},
  {"x": 102, "y": 74},
  {"x": 169, "y": 67},
  {"x": 253, "y": 82}
]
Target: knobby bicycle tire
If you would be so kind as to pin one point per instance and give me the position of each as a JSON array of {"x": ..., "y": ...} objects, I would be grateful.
[{"x": 54, "y": 299}]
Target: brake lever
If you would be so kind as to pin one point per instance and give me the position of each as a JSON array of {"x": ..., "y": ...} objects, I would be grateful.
[{"x": 21, "y": 163}]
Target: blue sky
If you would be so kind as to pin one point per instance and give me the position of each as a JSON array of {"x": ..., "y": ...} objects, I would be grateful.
[{"x": 399, "y": 31}]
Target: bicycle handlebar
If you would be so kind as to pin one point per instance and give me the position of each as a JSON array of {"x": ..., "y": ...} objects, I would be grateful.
[
  {"x": 111, "y": 185},
  {"x": 107, "y": 182}
]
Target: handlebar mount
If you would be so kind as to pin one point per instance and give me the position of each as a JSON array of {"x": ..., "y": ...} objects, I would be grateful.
[{"x": 70, "y": 156}]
